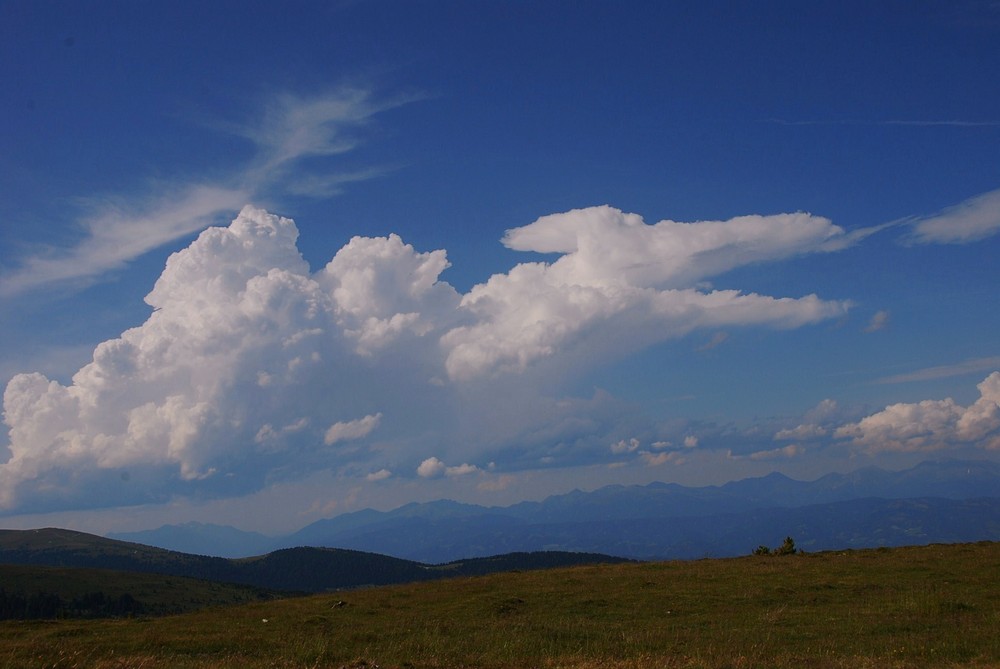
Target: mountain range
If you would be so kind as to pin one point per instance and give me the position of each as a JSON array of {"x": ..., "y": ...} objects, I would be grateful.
[{"x": 940, "y": 501}]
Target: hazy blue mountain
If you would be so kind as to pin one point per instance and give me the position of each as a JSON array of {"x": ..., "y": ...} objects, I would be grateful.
[
  {"x": 858, "y": 523},
  {"x": 201, "y": 539},
  {"x": 952, "y": 479},
  {"x": 346, "y": 524},
  {"x": 659, "y": 520},
  {"x": 663, "y": 520}
]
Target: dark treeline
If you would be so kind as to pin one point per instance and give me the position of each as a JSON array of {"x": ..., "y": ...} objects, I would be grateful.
[{"x": 45, "y": 605}]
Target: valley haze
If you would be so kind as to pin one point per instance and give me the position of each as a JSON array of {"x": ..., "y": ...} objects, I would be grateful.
[{"x": 309, "y": 272}]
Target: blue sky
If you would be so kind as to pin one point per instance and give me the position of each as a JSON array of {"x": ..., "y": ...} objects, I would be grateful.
[{"x": 569, "y": 244}]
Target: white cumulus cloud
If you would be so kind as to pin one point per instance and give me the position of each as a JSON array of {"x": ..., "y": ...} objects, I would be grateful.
[
  {"x": 433, "y": 467},
  {"x": 430, "y": 468},
  {"x": 623, "y": 446},
  {"x": 352, "y": 429},
  {"x": 931, "y": 424},
  {"x": 245, "y": 354},
  {"x": 461, "y": 470},
  {"x": 662, "y": 458},
  {"x": 622, "y": 284},
  {"x": 250, "y": 363}
]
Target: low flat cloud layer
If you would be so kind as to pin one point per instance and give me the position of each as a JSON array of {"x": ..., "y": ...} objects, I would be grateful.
[{"x": 253, "y": 368}]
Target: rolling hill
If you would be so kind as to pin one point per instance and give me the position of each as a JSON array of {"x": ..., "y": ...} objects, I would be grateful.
[{"x": 301, "y": 569}]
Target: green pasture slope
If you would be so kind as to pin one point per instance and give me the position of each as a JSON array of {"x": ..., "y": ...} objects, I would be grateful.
[
  {"x": 930, "y": 606},
  {"x": 30, "y": 591}
]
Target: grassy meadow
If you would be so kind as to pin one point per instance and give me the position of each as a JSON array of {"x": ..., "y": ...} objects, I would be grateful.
[
  {"x": 932, "y": 606},
  {"x": 153, "y": 594}
]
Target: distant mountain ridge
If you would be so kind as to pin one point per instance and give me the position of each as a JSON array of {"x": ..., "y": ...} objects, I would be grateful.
[
  {"x": 946, "y": 501},
  {"x": 202, "y": 539}
]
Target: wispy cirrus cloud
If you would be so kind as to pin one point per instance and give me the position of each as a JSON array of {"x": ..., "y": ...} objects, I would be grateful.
[
  {"x": 329, "y": 185},
  {"x": 954, "y": 123},
  {"x": 969, "y": 221},
  {"x": 716, "y": 340},
  {"x": 292, "y": 128},
  {"x": 790, "y": 451},
  {"x": 118, "y": 229},
  {"x": 973, "y": 366},
  {"x": 879, "y": 321}
]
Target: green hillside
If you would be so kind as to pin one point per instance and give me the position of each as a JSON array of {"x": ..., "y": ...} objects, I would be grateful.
[
  {"x": 302, "y": 569},
  {"x": 930, "y": 606},
  {"x": 57, "y": 547}
]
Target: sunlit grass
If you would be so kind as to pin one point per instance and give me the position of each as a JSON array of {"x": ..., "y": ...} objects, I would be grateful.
[{"x": 936, "y": 606}]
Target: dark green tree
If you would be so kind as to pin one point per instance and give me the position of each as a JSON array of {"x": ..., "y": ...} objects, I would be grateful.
[{"x": 787, "y": 548}]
